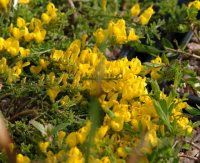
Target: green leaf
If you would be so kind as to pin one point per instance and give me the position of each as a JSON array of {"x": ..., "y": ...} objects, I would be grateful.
[
  {"x": 162, "y": 114},
  {"x": 166, "y": 43},
  {"x": 38, "y": 126},
  {"x": 146, "y": 49},
  {"x": 193, "y": 110},
  {"x": 163, "y": 105},
  {"x": 178, "y": 76},
  {"x": 156, "y": 89}
]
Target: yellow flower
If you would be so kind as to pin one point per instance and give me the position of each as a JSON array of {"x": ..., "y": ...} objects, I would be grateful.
[
  {"x": 105, "y": 159},
  {"x": 17, "y": 33},
  {"x": 28, "y": 36},
  {"x": 4, "y": 4},
  {"x": 119, "y": 30},
  {"x": 57, "y": 55},
  {"x": 61, "y": 135},
  {"x": 132, "y": 36},
  {"x": 45, "y": 18},
  {"x": 155, "y": 71},
  {"x": 18, "y": 68},
  {"x": 21, "y": 23},
  {"x": 121, "y": 152},
  {"x": 53, "y": 92},
  {"x": 101, "y": 132},
  {"x": 195, "y": 3},
  {"x": 24, "y": 52},
  {"x": 22, "y": 159},
  {"x": 2, "y": 43},
  {"x": 51, "y": 10},
  {"x": 75, "y": 156},
  {"x": 103, "y": 4},
  {"x": 35, "y": 23},
  {"x": 12, "y": 46},
  {"x": 35, "y": 69},
  {"x": 72, "y": 139},
  {"x": 151, "y": 138},
  {"x": 39, "y": 34},
  {"x": 43, "y": 63},
  {"x": 145, "y": 17},
  {"x": 64, "y": 100},
  {"x": 135, "y": 9},
  {"x": 43, "y": 146},
  {"x": 100, "y": 35},
  {"x": 83, "y": 39},
  {"x": 23, "y": 1},
  {"x": 117, "y": 123}
]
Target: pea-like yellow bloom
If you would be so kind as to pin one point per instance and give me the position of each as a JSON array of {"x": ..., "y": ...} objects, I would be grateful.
[
  {"x": 121, "y": 152},
  {"x": 195, "y": 3},
  {"x": 56, "y": 55},
  {"x": 21, "y": 23},
  {"x": 53, "y": 92},
  {"x": 61, "y": 135},
  {"x": 119, "y": 30},
  {"x": 22, "y": 159},
  {"x": 132, "y": 36},
  {"x": 155, "y": 71},
  {"x": 12, "y": 46},
  {"x": 4, "y": 4},
  {"x": 145, "y": 17},
  {"x": 105, "y": 159},
  {"x": 17, "y": 33},
  {"x": 27, "y": 35},
  {"x": 45, "y": 18},
  {"x": 24, "y": 52},
  {"x": 35, "y": 69},
  {"x": 51, "y": 10},
  {"x": 100, "y": 36},
  {"x": 75, "y": 156},
  {"x": 135, "y": 9},
  {"x": 43, "y": 63},
  {"x": 39, "y": 34},
  {"x": 35, "y": 23},
  {"x": 72, "y": 139},
  {"x": 43, "y": 146},
  {"x": 2, "y": 43}
]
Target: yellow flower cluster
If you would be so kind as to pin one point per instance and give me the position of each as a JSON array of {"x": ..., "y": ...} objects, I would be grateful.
[
  {"x": 195, "y": 3},
  {"x": 12, "y": 74},
  {"x": 145, "y": 16},
  {"x": 122, "y": 92},
  {"x": 22, "y": 33},
  {"x": 116, "y": 30}
]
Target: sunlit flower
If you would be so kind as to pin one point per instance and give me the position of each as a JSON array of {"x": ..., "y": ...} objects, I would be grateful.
[
  {"x": 132, "y": 36},
  {"x": 145, "y": 17},
  {"x": 21, "y": 23},
  {"x": 53, "y": 92},
  {"x": 4, "y": 4},
  {"x": 2, "y": 43},
  {"x": 12, "y": 46},
  {"x": 72, "y": 139},
  {"x": 135, "y": 9},
  {"x": 195, "y": 3},
  {"x": 35, "y": 69},
  {"x": 43, "y": 146},
  {"x": 22, "y": 159},
  {"x": 100, "y": 35}
]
